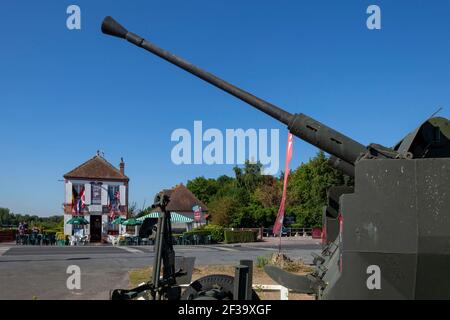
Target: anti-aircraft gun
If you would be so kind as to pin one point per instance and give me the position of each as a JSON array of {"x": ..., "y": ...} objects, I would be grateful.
[{"x": 388, "y": 236}]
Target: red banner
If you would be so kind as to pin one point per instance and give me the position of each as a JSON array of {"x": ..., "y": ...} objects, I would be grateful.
[{"x": 280, "y": 216}]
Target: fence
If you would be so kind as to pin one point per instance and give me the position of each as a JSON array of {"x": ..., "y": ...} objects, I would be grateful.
[
  {"x": 290, "y": 232},
  {"x": 287, "y": 232},
  {"x": 259, "y": 231},
  {"x": 7, "y": 235}
]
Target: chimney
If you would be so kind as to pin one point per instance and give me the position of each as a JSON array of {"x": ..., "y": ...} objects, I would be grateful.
[{"x": 122, "y": 166}]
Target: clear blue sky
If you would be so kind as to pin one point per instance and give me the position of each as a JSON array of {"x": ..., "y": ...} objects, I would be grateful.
[{"x": 64, "y": 94}]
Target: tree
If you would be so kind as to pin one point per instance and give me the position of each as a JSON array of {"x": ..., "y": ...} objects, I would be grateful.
[
  {"x": 307, "y": 190},
  {"x": 132, "y": 210},
  {"x": 250, "y": 199},
  {"x": 223, "y": 210},
  {"x": 203, "y": 188},
  {"x": 5, "y": 216}
]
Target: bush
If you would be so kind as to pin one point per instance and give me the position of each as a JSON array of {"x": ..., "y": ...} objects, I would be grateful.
[
  {"x": 217, "y": 232},
  {"x": 198, "y": 232},
  {"x": 51, "y": 231},
  {"x": 240, "y": 236},
  {"x": 60, "y": 236}
]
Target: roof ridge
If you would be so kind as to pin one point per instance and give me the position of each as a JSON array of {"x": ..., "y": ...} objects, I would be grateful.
[{"x": 74, "y": 173}]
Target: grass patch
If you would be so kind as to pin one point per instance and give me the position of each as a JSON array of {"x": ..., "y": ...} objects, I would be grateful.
[
  {"x": 137, "y": 276},
  {"x": 261, "y": 261}
]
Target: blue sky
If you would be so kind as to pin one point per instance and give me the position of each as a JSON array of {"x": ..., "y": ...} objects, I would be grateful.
[{"x": 65, "y": 94}]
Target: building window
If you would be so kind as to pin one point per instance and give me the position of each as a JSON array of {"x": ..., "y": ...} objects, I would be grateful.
[
  {"x": 77, "y": 206},
  {"x": 96, "y": 193},
  {"x": 76, "y": 191},
  {"x": 114, "y": 197}
]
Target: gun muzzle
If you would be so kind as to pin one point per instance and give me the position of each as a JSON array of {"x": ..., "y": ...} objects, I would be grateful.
[{"x": 113, "y": 28}]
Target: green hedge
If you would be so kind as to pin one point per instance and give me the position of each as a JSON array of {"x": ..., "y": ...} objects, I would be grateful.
[
  {"x": 197, "y": 232},
  {"x": 240, "y": 236},
  {"x": 217, "y": 232}
]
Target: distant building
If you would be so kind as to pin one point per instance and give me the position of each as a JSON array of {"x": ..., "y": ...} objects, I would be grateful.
[
  {"x": 98, "y": 191},
  {"x": 183, "y": 201},
  {"x": 187, "y": 210}
]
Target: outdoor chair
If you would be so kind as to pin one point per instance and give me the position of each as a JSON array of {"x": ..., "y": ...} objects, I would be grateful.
[
  {"x": 72, "y": 240},
  {"x": 84, "y": 240},
  {"x": 52, "y": 239},
  {"x": 196, "y": 239},
  {"x": 25, "y": 239},
  {"x": 114, "y": 240},
  {"x": 187, "y": 240}
]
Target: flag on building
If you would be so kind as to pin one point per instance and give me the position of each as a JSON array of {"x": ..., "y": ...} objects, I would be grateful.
[
  {"x": 81, "y": 202},
  {"x": 114, "y": 202},
  {"x": 74, "y": 199}
]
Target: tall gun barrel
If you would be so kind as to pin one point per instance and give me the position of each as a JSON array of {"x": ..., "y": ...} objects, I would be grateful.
[{"x": 300, "y": 125}]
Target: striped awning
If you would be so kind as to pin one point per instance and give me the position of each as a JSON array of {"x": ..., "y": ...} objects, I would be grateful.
[{"x": 174, "y": 217}]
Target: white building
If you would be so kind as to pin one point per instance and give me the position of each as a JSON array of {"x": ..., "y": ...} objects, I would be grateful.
[{"x": 98, "y": 191}]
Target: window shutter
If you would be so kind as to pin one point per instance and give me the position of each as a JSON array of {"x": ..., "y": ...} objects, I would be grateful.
[
  {"x": 122, "y": 192},
  {"x": 87, "y": 193},
  {"x": 68, "y": 192},
  {"x": 105, "y": 200}
]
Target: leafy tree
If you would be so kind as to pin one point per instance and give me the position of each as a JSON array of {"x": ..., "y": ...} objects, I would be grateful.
[
  {"x": 7, "y": 218},
  {"x": 223, "y": 209},
  {"x": 250, "y": 199},
  {"x": 203, "y": 188},
  {"x": 307, "y": 188}
]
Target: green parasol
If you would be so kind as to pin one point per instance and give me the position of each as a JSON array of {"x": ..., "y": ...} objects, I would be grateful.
[
  {"x": 131, "y": 222},
  {"x": 118, "y": 220},
  {"x": 78, "y": 220}
]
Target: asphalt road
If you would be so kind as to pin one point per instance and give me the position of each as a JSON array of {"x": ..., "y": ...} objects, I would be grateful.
[{"x": 40, "y": 272}]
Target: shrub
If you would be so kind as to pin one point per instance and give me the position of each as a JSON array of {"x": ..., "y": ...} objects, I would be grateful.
[
  {"x": 217, "y": 232},
  {"x": 198, "y": 232},
  {"x": 232, "y": 236},
  {"x": 60, "y": 236},
  {"x": 261, "y": 261}
]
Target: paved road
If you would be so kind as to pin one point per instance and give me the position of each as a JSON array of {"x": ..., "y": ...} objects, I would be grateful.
[{"x": 28, "y": 272}]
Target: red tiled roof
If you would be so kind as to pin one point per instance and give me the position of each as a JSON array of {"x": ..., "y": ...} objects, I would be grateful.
[{"x": 96, "y": 168}]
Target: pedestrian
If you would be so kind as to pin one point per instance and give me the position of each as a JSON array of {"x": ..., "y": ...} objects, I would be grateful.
[{"x": 21, "y": 232}]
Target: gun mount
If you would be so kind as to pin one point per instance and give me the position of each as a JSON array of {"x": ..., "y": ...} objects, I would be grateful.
[
  {"x": 393, "y": 226},
  {"x": 168, "y": 286}
]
